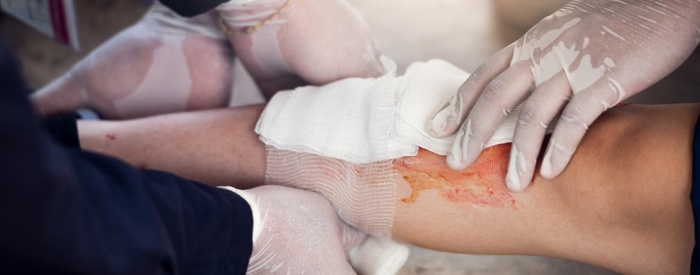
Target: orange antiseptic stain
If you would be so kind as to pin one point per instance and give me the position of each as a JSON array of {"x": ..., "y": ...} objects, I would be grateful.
[{"x": 482, "y": 183}]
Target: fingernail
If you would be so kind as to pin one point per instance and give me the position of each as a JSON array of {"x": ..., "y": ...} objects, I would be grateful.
[
  {"x": 438, "y": 125},
  {"x": 454, "y": 157},
  {"x": 516, "y": 165},
  {"x": 468, "y": 153},
  {"x": 513, "y": 179},
  {"x": 546, "y": 168},
  {"x": 434, "y": 126},
  {"x": 561, "y": 155}
]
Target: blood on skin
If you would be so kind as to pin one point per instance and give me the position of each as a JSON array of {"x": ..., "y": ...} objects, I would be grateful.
[
  {"x": 111, "y": 136},
  {"x": 483, "y": 183}
]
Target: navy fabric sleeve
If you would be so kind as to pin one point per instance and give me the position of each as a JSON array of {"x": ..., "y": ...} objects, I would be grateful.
[
  {"x": 190, "y": 8},
  {"x": 64, "y": 211},
  {"x": 695, "y": 199},
  {"x": 64, "y": 129}
]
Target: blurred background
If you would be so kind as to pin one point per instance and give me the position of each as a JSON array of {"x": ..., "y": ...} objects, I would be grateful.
[{"x": 464, "y": 32}]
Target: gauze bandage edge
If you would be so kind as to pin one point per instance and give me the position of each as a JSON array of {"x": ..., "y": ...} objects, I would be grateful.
[
  {"x": 350, "y": 119},
  {"x": 363, "y": 120},
  {"x": 364, "y": 195},
  {"x": 423, "y": 91}
]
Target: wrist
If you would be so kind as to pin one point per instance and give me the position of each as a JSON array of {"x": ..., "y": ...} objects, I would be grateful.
[{"x": 253, "y": 202}]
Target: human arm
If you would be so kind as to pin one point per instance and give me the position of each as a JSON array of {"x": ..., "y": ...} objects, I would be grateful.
[
  {"x": 67, "y": 212},
  {"x": 622, "y": 204},
  {"x": 579, "y": 61},
  {"x": 116, "y": 219},
  {"x": 616, "y": 206},
  {"x": 216, "y": 147}
]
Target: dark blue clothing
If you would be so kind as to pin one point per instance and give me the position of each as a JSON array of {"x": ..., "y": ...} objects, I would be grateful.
[
  {"x": 695, "y": 198},
  {"x": 190, "y": 8},
  {"x": 64, "y": 211}
]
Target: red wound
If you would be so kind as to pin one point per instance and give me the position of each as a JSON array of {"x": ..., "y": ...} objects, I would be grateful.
[{"x": 483, "y": 183}]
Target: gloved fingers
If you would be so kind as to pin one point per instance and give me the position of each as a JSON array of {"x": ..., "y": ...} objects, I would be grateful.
[
  {"x": 64, "y": 94},
  {"x": 537, "y": 112},
  {"x": 448, "y": 120},
  {"x": 500, "y": 96},
  {"x": 573, "y": 123},
  {"x": 378, "y": 256},
  {"x": 350, "y": 237}
]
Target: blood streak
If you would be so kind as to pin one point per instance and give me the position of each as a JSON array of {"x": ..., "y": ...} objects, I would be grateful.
[
  {"x": 483, "y": 183},
  {"x": 111, "y": 136}
]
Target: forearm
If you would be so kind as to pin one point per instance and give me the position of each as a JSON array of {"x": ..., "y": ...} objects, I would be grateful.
[
  {"x": 217, "y": 147},
  {"x": 616, "y": 206},
  {"x": 621, "y": 204}
]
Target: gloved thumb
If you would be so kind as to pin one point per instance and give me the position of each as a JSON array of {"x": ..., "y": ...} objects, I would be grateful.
[
  {"x": 62, "y": 95},
  {"x": 378, "y": 256}
]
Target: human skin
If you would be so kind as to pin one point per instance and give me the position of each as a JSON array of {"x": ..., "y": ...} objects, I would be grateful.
[{"x": 621, "y": 204}]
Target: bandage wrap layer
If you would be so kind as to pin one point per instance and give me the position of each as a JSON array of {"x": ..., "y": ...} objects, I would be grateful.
[
  {"x": 364, "y": 195},
  {"x": 340, "y": 139}
]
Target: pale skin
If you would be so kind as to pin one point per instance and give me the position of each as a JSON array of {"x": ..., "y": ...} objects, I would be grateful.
[{"x": 621, "y": 204}]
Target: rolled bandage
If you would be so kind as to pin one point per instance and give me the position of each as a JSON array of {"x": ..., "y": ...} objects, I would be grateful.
[
  {"x": 340, "y": 139},
  {"x": 378, "y": 256},
  {"x": 363, "y": 120},
  {"x": 364, "y": 195},
  {"x": 350, "y": 119}
]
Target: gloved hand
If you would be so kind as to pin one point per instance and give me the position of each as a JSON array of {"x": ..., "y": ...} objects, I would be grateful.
[
  {"x": 297, "y": 232},
  {"x": 163, "y": 63},
  {"x": 578, "y": 62},
  {"x": 295, "y": 42}
]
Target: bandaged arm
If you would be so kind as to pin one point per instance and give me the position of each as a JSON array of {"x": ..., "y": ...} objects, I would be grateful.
[{"x": 622, "y": 204}]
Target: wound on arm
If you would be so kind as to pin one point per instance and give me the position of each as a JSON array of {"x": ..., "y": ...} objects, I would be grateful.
[{"x": 482, "y": 183}]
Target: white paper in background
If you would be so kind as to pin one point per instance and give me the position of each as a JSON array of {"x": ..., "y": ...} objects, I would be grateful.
[{"x": 55, "y": 18}]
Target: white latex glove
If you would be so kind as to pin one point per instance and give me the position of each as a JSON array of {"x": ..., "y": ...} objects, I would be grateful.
[
  {"x": 309, "y": 41},
  {"x": 578, "y": 62},
  {"x": 297, "y": 232},
  {"x": 163, "y": 63}
]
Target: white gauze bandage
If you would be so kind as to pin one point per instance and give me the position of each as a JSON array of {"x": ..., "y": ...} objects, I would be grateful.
[{"x": 340, "y": 139}]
